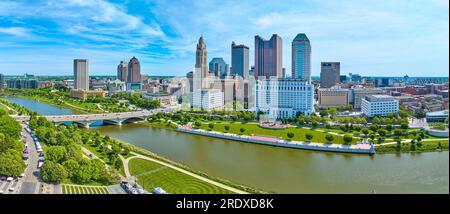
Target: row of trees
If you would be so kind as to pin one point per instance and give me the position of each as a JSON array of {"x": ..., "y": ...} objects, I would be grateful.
[
  {"x": 11, "y": 163},
  {"x": 64, "y": 158}
]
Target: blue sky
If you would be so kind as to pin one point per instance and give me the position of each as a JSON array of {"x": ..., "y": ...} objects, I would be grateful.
[{"x": 377, "y": 38}]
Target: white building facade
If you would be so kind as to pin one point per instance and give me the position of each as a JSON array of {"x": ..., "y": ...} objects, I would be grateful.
[
  {"x": 379, "y": 105},
  {"x": 284, "y": 98},
  {"x": 208, "y": 99}
]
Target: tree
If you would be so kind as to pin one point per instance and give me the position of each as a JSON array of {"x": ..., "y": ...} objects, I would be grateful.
[
  {"x": 198, "y": 124},
  {"x": 404, "y": 125},
  {"x": 324, "y": 113},
  {"x": 389, "y": 127},
  {"x": 365, "y": 132},
  {"x": 328, "y": 126},
  {"x": 71, "y": 167},
  {"x": 290, "y": 135},
  {"x": 403, "y": 114},
  {"x": 390, "y": 115},
  {"x": 382, "y": 132},
  {"x": 242, "y": 130},
  {"x": 301, "y": 120},
  {"x": 373, "y": 128},
  {"x": 11, "y": 163},
  {"x": 329, "y": 138},
  {"x": 56, "y": 154},
  {"x": 211, "y": 125},
  {"x": 397, "y": 133},
  {"x": 315, "y": 124},
  {"x": 309, "y": 136},
  {"x": 348, "y": 139},
  {"x": 227, "y": 128},
  {"x": 53, "y": 172}
]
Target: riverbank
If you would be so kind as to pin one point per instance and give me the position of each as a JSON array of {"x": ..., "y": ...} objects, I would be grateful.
[
  {"x": 273, "y": 141},
  {"x": 150, "y": 154},
  {"x": 424, "y": 146},
  {"x": 59, "y": 104}
]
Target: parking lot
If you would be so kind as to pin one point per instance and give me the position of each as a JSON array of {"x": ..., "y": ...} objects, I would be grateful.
[{"x": 8, "y": 187}]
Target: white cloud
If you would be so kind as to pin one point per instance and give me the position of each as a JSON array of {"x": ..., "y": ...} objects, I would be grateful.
[{"x": 15, "y": 31}]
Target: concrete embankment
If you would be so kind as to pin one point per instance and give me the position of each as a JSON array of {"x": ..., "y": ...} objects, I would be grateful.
[{"x": 273, "y": 141}]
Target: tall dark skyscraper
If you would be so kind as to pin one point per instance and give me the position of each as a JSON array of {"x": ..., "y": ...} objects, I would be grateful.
[
  {"x": 134, "y": 70},
  {"x": 329, "y": 74},
  {"x": 239, "y": 60},
  {"x": 268, "y": 57},
  {"x": 122, "y": 71},
  {"x": 301, "y": 57},
  {"x": 81, "y": 74}
]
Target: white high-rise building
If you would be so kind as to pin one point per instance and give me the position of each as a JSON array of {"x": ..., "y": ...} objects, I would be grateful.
[
  {"x": 379, "y": 105},
  {"x": 81, "y": 74},
  {"x": 284, "y": 98}
]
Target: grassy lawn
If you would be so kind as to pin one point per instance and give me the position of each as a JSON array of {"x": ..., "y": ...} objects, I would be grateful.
[
  {"x": 151, "y": 175},
  {"x": 2, "y": 107},
  {"x": 68, "y": 189},
  {"x": 253, "y": 128}
]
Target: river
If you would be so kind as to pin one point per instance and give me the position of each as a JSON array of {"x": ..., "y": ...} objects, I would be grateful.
[{"x": 284, "y": 170}]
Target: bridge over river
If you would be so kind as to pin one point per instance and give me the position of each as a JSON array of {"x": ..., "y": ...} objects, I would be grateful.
[{"x": 85, "y": 120}]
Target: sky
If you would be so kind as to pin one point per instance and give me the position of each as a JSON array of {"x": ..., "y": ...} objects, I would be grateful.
[{"x": 371, "y": 38}]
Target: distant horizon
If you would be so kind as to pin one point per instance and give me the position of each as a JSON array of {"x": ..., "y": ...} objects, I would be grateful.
[
  {"x": 380, "y": 37},
  {"x": 113, "y": 75}
]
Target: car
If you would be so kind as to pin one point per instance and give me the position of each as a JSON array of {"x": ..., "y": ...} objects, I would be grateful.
[
  {"x": 21, "y": 175},
  {"x": 1, "y": 191},
  {"x": 11, "y": 189},
  {"x": 9, "y": 179},
  {"x": 3, "y": 178}
]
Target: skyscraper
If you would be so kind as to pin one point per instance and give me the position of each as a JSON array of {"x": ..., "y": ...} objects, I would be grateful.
[
  {"x": 81, "y": 74},
  {"x": 239, "y": 60},
  {"x": 268, "y": 57},
  {"x": 219, "y": 67},
  {"x": 329, "y": 74},
  {"x": 301, "y": 57},
  {"x": 122, "y": 71},
  {"x": 2, "y": 80},
  {"x": 134, "y": 71},
  {"x": 201, "y": 57}
]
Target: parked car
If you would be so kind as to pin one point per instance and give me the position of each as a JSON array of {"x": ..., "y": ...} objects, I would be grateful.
[{"x": 9, "y": 179}]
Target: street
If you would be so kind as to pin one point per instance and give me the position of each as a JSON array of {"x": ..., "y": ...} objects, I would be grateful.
[{"x": 30, "y": 183}]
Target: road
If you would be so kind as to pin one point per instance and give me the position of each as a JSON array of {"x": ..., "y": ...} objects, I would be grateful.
[{"x": 30, "y": 183}]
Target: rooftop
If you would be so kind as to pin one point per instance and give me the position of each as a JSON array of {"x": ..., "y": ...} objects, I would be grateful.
[{"x": 301, "y": 37}]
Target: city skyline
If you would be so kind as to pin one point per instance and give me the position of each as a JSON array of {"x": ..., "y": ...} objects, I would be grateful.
[{"x": 374, "y": 41}]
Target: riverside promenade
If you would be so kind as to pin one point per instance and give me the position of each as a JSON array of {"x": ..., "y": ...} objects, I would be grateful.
[{"x": 274, "y": 141}]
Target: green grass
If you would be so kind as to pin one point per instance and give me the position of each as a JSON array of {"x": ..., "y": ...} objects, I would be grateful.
[
  {"x": 427, "y": 146},
  {"x": 2, "y": 107},
  {"x": 253, "y": 128},
  {"x": 151, "y": 175}
]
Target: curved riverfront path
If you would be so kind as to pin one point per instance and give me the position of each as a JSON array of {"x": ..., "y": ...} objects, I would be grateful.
[{"x": 136, "y": 155}]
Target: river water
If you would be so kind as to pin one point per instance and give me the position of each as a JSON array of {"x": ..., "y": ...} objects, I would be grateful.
[{"x": 283, "y": 170}]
